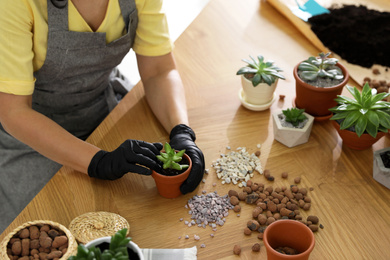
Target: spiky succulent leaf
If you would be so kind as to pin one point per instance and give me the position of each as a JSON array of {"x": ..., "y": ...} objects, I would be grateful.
[{"x": 366, "y": 111}]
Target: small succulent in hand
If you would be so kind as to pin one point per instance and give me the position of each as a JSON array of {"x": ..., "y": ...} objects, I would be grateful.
[
  {"x": 117, "y": 249},
  {"x": 322, "y": 66},
  {"x": 365, "y": 112},
  {"x": 260, "y": 71},
  {"x": 294, "y": 115},
  {"x": 171, "y": 158}
]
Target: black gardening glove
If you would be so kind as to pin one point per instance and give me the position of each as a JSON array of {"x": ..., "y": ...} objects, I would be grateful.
[
  {"x": 183, "y": 137},
  {"x": 131, "y": 156}
]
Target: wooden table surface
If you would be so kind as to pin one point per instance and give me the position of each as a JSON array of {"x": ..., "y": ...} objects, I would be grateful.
[{"x": 353, "y": 208}]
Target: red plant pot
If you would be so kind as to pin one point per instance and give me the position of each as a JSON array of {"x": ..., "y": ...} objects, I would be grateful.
[
  {"x": 317, "y": 101},
  {"x": 290, "y": 233},
  {"x": 353, "y": 141},
  {"x": 169, "y": 186}
]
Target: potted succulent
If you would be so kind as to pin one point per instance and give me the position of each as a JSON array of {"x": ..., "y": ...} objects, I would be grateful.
[
  {"x": 362, "y": 120},
  {"x": 291, "y": 234},
  {"x": 259, "y": 79},
  {"x": 318, "y": 82},
  {"x": 292, "y": 126},
  {"x": 176, "y": 168},
  {"x": 381, "y": 166},
  {"x": 116, "y": 247}
]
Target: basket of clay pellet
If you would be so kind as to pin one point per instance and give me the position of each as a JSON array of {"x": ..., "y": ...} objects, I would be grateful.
[
  {"x": 40, "y": 239},
  {"x": 93, "y": 225}
]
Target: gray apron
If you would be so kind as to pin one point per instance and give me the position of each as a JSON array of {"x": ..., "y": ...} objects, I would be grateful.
[{"x": 77, "y": 86}]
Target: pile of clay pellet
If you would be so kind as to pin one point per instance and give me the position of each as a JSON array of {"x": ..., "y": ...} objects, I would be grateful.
[
  {"x": 272, "y": 204},
  {"x": 238, "y": 166},
  {"x": 37, "y": 242}
]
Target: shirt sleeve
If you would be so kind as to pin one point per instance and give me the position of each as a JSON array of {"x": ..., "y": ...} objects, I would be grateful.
[
  {"x": 152, "y": 35},
  {"x": 16, "y": 54}
]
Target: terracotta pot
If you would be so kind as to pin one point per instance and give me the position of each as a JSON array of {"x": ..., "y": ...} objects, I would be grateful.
[
  {"x": 380, "y": 173},
  {"x": 289, "y": 136},
  {"x": 169, "y": 186},
  {"x": 353, "y": 141},
  {"x": 259, "y": 95},
  {"x": 290, "y": 233},
  {"x": 317, "y": 101}
]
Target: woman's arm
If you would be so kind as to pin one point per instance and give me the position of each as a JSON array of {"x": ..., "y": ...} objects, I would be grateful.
[
  {"x": 163, "y": 89},
  {"x": 42, "y": 134}
]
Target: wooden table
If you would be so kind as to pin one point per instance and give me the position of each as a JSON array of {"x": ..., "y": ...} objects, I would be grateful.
[{"x": 351, "y": 205}]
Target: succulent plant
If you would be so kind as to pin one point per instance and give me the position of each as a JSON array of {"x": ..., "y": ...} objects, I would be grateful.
[
  {"x": 321, "y": 66},
  {"x": 365, "y": 112},
  {"x": 171, "y": 158},
  {"x": 117, "y": 249},
  {"x": 294, "y": 115},
  {"x": 260, "y": 71}
]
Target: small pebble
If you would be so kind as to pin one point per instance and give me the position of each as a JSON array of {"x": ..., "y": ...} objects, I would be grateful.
[
  {"x": 187, "y": 237},
  {"x": 237, "y": 250},
  {"x": 256, "y": 247},
  {"x": 196, "y": 237},
  {"x": 211, "y": 235},
  {"x": 202, "y": 245}
]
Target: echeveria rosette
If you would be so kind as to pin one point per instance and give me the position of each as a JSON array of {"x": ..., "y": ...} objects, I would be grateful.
[
  {"x": 320, "y": 67},
  {"x": 171, "y": 158},
  {"x": 294, "y": 115},
  {"x": 366, "y": 112},
  {"x": 263, "y": 71}
]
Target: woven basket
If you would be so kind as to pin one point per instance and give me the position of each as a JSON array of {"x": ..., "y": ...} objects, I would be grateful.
[
  {"x": 93, "y": 225},
  {"x": 72, "y": 244}
]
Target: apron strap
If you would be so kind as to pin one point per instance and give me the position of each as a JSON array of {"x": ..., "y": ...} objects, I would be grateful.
[{"x": 54, "y": 9}]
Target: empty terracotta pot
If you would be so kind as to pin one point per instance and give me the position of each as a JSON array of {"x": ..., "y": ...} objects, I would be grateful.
[
  {"x": 169, "y": 186},
  {"x": 288, "y": 233}
]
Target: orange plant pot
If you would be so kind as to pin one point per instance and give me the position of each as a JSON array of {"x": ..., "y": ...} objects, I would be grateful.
[
  {"x": 353, "y": 141},
  {"x": 290, "y": 233},
  {"x": 169, "y": 186},
  {"x": 317, "y": 101}
]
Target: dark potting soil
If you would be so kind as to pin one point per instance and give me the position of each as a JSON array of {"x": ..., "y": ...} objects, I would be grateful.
[
  {"x": 173, "y": 172},
  {"x": 357, "y": 34},
  {"x": 386, "y": 159},
  {"x": 132, "y": 255}
]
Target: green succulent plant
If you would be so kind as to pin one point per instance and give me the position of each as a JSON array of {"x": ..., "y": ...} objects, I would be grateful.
[
  {"x": 171, "y": 158},
  {"x": 294, "y": 115},
  {"x": 260, "y": 71},
  {"x": 117, "y": 249},
  {"x": 365, "y": 112},
  {"x": 321, "y": 66}
]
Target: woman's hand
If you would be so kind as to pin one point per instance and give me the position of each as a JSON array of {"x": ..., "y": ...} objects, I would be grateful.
[
  {"x": 183, "y": 137},
  {"x": 131, "y": 156}
]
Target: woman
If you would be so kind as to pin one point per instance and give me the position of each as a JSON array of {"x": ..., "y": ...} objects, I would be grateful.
[{"x": 58, "y": 80}]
